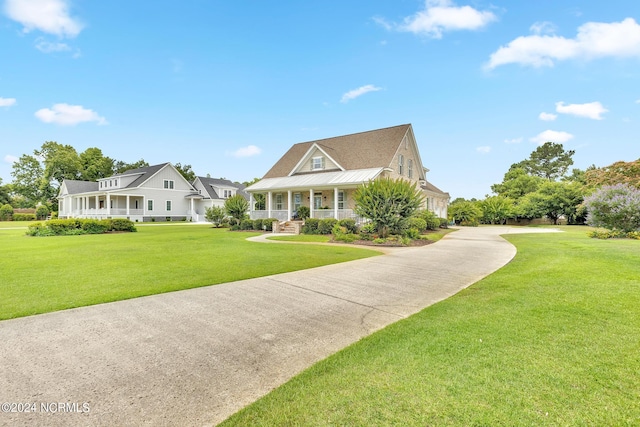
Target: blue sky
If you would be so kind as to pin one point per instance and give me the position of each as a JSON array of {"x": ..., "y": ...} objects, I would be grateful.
[{"x": 229, "y": 86}]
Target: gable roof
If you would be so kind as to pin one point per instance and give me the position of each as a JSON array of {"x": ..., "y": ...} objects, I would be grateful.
[
  {"x": 363, "y": 150},
  {"x": 210, "y": 183},
  {"x": 145, "y": 173},
  {"x": 76, "y": 187}
]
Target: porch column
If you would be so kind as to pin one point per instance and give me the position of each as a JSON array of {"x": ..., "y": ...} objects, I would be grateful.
[
  {"x": 191, "y": 206},
  {"x": 269, "y": 204},
  {"x": 97, "y": 204},
  {"x": 335, "y": 203},
  {"x": 311, "y": 203},
  {"x": 108, "y": 201},
  {"x": 127, "y": 205},
  {"x": 251, "y": 207},
  {"x": 289, "y": 211}
]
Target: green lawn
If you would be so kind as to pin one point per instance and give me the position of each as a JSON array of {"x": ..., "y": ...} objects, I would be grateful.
[
  {"x": 553, "y": 338},
  {"x": 42, "y": 274}
]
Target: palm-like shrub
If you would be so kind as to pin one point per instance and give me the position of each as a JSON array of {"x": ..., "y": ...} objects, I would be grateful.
[
  {"x": 236, "y": 207},
  {"x": 388, "y": 203}
]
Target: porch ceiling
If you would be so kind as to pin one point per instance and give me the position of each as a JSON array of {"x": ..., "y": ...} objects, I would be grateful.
[{"x": 316, "y": 180}]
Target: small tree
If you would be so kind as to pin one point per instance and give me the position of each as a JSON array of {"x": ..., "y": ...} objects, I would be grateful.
[
  {"x": 42, "y": 212},
  {"x": 615, "y": 207},
  {"x": 464, "y": 211},
  {"x": 6, "y": 212},
  {"x": 388, "y": 203},
  {"x": 215, "y": 215},
  {"x": 496, "y": 209},
  {"x": 236, "y": 207}
]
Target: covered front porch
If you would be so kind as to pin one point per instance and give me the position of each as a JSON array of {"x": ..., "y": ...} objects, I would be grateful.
[{"x": 322, "y": 203}]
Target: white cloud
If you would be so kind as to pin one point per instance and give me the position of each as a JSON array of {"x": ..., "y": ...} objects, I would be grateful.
[
  {"x": 551, "y": 136},
  {"x": 547, "y": 117},
  {"x": 637, "y": 101},
  {"x": 439, "y": 16},
  {"x": 47, "y": 47},
  {"x": 48, "y": 16},
  {"x": 544, "y": 27},
  {"x": 352, "y": 94},
  {"x": 594, "y": 40},
  {"x": 10, "y": 159},
  {"x": 7, "y": 102},
  {"x": 591, "y": 110},
  {"x": 484, "y": 149},
  {"x": 513, "y": 140},
  {"x": 69, "y": 115},
  {"x": 248, "y": 151}
]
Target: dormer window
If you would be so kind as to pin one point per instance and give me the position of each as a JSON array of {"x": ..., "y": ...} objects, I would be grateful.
[
  {"x": 317, "y": 163},
  {"x": 168, "y": 184}
]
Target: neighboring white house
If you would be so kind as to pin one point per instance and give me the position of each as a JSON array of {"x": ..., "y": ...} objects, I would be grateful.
[
  {"x": 153, "y": 193},
  {"x": 324, "y": 174}
]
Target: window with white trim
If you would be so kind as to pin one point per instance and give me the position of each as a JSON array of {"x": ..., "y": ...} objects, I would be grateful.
[
  {"x": 342, "y": 198},
  {"x": 168, "y": 184},
  {"x": 297, "y": 200},
  {"x": 168, "y": 205},
  {"x": 149, "y": 205},
  {"x": 317, "y": 201},
  {"x": 279, "y": 202},
  {"x": 317, "y": 163},
  {"x": 410, "y": 168},
  {"x": 400, "y": 164}
]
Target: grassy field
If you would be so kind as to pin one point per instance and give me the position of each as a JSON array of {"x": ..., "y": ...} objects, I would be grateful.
[
  {"x": 43, "y": 274},
  {"x": 552, "y": 339}
]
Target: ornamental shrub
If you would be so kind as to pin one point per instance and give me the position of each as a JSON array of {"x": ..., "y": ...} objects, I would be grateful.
[
  {"x": 6, "y": 212},
  {"x": 444, "y": 222},
  {"x": 257, "y": 224},
  {"x": 122, "y": 224},
  {"x": 326, "y": 225},
  {"x": 310, "y": 226},
  {"x": 246, "y": 224},
  {"x": 94, "y": 226},
  {"x": 349, "y": 224},
  {"x": 303, "y": 212},
  {"x": 431, "y": 220},
  {"x": 614, "y": 207},
  {"x": 418, "y": 224},
  {"x": 342, "y": 234},
  {"x": 269, "y": 223}
]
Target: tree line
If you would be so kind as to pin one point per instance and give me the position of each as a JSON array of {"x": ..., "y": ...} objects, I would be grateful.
[
  {"x": 544, "y": 186},
  {"x": 37, "y": 177}
]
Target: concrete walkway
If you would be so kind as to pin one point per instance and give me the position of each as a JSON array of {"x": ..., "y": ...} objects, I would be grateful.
[{"x": 195, "y": 357}]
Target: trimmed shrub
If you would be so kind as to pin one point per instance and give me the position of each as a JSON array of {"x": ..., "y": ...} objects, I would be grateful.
[
  {"x": 94, "y": 226},
  {"x": 122, "y": 224},
  {"x": 342, "y": 234},
  {"x": 349, "y": 224},
  {"x": 257, "y": 224},
  {"x": 246, "y": 224},
  {"x": 326, "y": 225},
  {"x": 38, "y": 229},
  {"x": 6, "y": 212},
  {"x": 24, "y": 217},
  {"x": 412, "y": 233},
  {"x": 431, "y": 220},
  {"x": 444, "y": 223},
  {"x": 418, "y": 224},
  {"x": 310, "y": 226}
]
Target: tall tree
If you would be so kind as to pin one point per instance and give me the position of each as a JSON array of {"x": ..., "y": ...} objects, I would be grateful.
[
  {"x": 549, "y": 161},
  {"x": 60, "y": 162},
  {"x": 5, "y": 191},
  {"x": 616, "y": 173},
  {"x": 95, "y": 165},
  {"x": 120, "y": 166},
  {"x": 28, "y": 181},
  {"x": 186, "y": 172},
  {"x": 517, "y": 183}
]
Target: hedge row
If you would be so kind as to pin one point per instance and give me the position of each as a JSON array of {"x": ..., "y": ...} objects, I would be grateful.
[
  {"x": 255, "y": 224},
  {"x": 75, "y": 226}
]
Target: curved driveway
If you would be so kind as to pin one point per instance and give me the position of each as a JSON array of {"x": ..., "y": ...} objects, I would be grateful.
[{"x": 195, "y": 357}]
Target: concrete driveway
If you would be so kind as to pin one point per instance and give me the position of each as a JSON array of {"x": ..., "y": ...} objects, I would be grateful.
[{"x": 195, "y": 357}]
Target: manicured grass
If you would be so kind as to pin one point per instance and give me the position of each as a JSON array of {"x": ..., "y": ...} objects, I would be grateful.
[
  {"x": 306, "y": 238},
  {"x": 553, "y": 338},
  {"x": 42, "y": 274},
  {"x": 16, "y": 224}
]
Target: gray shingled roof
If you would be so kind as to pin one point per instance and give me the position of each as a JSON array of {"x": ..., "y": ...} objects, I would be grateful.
[
  {"x": 430, "y": 187},
  {"x": 78, "y": 187},
  {"x": 210, "y": 182},
  {"x": 364, "y": 150},
  {"x": 145, "y": 174}
]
